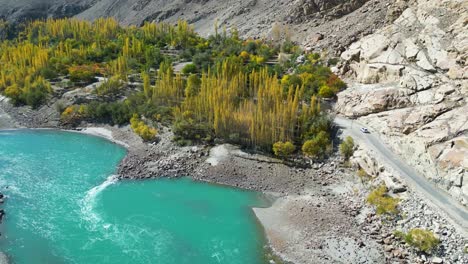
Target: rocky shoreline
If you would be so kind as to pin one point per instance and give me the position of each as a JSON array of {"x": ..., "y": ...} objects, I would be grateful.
[{"x": 319, "y": 215}]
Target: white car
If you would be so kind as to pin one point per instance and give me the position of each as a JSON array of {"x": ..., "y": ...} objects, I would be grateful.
[{"x": 365, "y": 130}]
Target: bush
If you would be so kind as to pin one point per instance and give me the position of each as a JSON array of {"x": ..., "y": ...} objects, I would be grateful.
[
  {"x": 283, "y": 149},
  {"x": 347, "y": 148},
  {"x": 29, "y": 92},
  {"x": 244, "y": 55},
  {"x": 72, "y": 115},
  {"x": 111, "y": 86},
  {"x": 143, "y": 130},
  {"x": 318, "y": 146},
  {"x": 424, "y": 240},
  {"x": 48, "y": 73},
  {"x": 116, "y": 113},
  {"x": 384, "y": 203},
  {"x": 257, "y": 59},
  {"x": 326, "y": 92},
  {"x": 187, "y": 129},
  {"x": 189, "y": 69},
  {"x": 291, "y": 80},
  {"x": 84, "y": 73},
  {"x": 362, "y": 173},
  {"x": 202, "y": 60}
]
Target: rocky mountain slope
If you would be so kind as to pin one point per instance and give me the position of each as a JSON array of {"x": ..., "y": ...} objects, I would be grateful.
[
  {"x": 411, "y": 87},
  {"x": 322, "y": 23}
]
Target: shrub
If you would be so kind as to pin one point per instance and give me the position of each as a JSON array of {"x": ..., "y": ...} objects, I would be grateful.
[
  {"x": 13, "y": 92},
  {"x": 111, "y": 86},
  {"x": 333, "y": 61},
  {"x": 35, "y": 94},
  {"x": 399, "y": 235},
  {"x": 48, "y": 73},
  {"x": 336, "y": 83},
  {"x": 424, "y": 240},
  {"x": 291, "y": 80},
  {"x": 116, "y": 113},
  {"x": 244, "y": 55},
  {"x": 283, "y": 149},
  {"x": 143, "y": 130},
  {"x": 257, "y": 59},
  {"x": 72, "y": 115},
  {"x": 202, "y": 60},
  {"x": 362, "y": 173},
  {"x": 347, "y": 147},
  {"x": 189, "y": 69},
  {"x": 84, "y": 73},
  {"x": 187, "y": 129},
  {"x": 384, "y": 203},
  {"x": 318, "y": 146},
  {"x": 326, "y": 92}
]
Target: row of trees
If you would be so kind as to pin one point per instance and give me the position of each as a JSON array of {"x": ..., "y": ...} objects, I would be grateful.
[
  {"x": 245, "y": 108},
  {"x": 228, "y": 91}
]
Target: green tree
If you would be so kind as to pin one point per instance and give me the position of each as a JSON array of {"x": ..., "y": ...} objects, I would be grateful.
[
  {"x": 189, "y": 69},
  {"x": 193, "y": 85},
  {"x": 347, "y": 147},
  {"x": 318, "y": 146},
  {"x": 147, "y": 89}
]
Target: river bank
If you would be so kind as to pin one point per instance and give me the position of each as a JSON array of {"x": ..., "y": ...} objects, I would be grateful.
[
  {"x": 229, "y": 165},
  {"x": 319, "y": 214},
  {"x": 308, "y": 217}
]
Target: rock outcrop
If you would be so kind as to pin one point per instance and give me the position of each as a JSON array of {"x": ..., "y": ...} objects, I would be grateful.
[{"x": 411, "y": 84}]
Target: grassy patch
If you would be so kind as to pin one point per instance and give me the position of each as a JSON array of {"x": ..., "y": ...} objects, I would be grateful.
[
  {"x": 423, "y": 240},
  {"x": 385, "y": 204}
]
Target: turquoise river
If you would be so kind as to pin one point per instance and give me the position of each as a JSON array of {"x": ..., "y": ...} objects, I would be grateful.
[{"x": 65, "y": 206}]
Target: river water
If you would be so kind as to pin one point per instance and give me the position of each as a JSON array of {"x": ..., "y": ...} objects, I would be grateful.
[{"x": 65, "y": 206}]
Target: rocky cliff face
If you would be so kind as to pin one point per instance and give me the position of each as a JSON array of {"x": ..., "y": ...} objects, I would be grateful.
[{"x": 411, "y": 86}]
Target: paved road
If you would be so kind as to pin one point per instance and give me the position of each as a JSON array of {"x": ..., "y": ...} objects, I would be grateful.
[{"x": 436, "y": 196}]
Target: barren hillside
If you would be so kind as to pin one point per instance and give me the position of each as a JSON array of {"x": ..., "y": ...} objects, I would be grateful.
[{"x": 324, "y": 24}]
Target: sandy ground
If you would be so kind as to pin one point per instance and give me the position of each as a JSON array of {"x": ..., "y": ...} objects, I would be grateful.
[{"x": 104, "y": 133}]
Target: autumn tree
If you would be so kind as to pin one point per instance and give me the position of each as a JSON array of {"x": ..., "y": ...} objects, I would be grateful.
[
  {"x": 146, "y": 132},
  {"x": 283, "y": 149}
]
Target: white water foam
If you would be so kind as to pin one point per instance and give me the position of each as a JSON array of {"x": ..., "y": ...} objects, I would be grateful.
[{"x": 89, "y": 202}]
